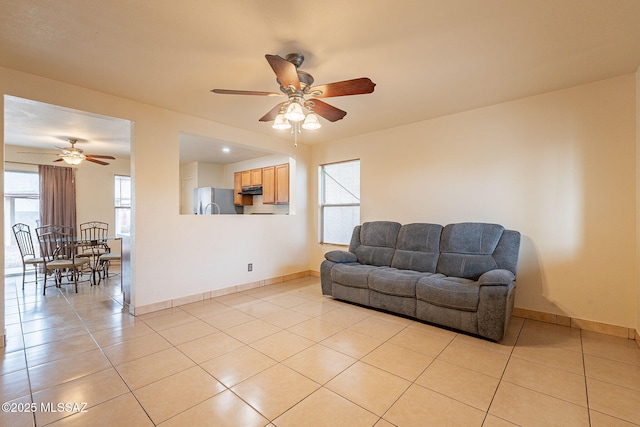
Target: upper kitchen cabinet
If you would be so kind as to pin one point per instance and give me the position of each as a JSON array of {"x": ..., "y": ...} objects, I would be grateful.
[
  {"x": 246, "y": 178},
  {"x": 282, "y": 184},
  {"x": 252, "y": 178},
  {"x": 269, "y": 185},
  {"x": 275, "y": 184},
  {"x": 256, "y": 177}
]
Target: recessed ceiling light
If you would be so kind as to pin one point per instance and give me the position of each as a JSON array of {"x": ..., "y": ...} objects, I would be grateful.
[{"x": 226, "y": 149}]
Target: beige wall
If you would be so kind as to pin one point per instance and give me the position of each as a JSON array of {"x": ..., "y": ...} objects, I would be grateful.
[
  {"x": 558, "y": 167},
  {"x": 179, "y": 255}
]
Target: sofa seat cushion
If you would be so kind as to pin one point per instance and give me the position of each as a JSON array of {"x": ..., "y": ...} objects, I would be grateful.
[
  {"x": 353, "y": 275},
  {"x": 449, "y": 292},
  {"x": 395, "y": 282}
]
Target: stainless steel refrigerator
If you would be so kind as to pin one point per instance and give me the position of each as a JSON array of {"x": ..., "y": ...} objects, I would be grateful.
[{"x": 213, "y": 201}]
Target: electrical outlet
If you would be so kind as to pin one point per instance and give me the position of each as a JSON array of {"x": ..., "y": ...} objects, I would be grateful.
[{"x": 250, "y": 267}]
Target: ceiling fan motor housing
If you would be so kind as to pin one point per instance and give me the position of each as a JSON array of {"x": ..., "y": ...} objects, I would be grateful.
[
  {"x": 306, "y": 79},
  {"x": 295, "y": 58}
]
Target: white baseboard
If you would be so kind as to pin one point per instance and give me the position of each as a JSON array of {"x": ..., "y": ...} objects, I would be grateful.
[
  {"x": 587, "y": 325},
  {"x": 162, "y": 305}
]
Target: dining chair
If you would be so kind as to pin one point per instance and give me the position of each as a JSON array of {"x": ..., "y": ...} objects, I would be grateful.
[
  {"x": 22, "y": 233},
  {"x": 105, "y": 260},
  {"x": 94, "y": 236},
  {"x": 93, "y": 244},
  {"x": 58, "y": 250}
]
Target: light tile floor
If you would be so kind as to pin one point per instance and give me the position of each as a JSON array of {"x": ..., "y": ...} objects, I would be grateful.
[{"x": 284, "y": 355}]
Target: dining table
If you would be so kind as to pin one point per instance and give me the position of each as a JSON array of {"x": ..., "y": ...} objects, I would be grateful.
[{"x": 91, "y": 249}]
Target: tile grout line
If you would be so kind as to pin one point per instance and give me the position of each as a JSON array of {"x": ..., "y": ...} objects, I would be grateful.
[
  {"x": 502, "y": 375},
  {"x": 113, "y": 366},
  {"x": 584, "y": 373},
  {"x": 321, "y": 386},
  {"x": 90, "y": 333},
  {"x": 227, "y": 388},
  {"x": 24, "y": 351},
  {"x": 82, "y": 320}
]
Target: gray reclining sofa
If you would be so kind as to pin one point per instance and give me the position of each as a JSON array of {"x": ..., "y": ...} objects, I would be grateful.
[{"x": 460, "y": 276}]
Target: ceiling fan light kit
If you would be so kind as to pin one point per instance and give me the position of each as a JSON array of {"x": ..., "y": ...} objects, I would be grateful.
[
  {"x": 281, "y": 122},
  {"x": 311, "y": 122},
  {"x": 73, "y": 158},
  {"x": 294, "y": 112},
  {"x": 302, "y": 108}
]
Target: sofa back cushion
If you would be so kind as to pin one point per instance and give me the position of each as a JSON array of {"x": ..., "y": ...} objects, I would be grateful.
[
  {"x": 418, "y": 247},
  {"x": 374, "y": 242},
  {"x": 469, "y": 249}
]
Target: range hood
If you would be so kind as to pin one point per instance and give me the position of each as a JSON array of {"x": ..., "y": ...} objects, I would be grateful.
[{"x": 254, "y": 190}]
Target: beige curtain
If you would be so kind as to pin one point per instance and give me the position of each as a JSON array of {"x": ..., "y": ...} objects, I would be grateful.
[{"x": 57, "y": 196}]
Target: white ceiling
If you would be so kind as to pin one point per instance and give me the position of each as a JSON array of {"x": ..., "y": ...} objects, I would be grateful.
[
  {"x": 429, "y": 58},
  {"x": 38, "y": 125},
  {"x": 196, "y": 148}
]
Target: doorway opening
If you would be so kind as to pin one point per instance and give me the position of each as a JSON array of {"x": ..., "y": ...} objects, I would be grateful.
[{"x": 37, "y": 133}]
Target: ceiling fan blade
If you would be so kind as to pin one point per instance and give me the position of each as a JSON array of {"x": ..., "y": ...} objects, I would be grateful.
[
  {"x": 244, "y": 92},
  {"x": 271, "y": 115},
  {"x": 31, "y": 152},
  {"x": 286, "y": 72},
  {"x": 97, "y": 156},
  {"x": 359, "y": 86},
  {"x": 327, "y": 111},
  {"x": 100, "y": 162},
  {"x": 59, "y": 160}
]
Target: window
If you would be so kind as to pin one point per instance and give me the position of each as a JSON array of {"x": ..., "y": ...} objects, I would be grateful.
[
  {"x": 339, "y": 201},
  {"x": 122, "y": 204},
  {"x": 21, "y": 204}
]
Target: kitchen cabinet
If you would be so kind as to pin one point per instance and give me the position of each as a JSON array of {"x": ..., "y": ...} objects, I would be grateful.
[
  {"x": 256, "y": 176},
  {"x": 282, "y": 184},
  {"x": 246, "y": 178},
  {"x": 275, "y": 184},
  {"x": 240, "y": 199},
  {"x": 273, "y": 179},
  {"x": 268, "y": 185}
]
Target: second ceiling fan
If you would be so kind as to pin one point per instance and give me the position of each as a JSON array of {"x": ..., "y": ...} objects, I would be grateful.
[
  {"x": 74, "y": 156},
  {"x": 303, "y": 102}
]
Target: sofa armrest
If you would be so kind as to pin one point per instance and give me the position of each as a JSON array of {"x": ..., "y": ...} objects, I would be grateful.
[
  {"x": 341, "y": 256},
  {"x": 496, "y": 277}
]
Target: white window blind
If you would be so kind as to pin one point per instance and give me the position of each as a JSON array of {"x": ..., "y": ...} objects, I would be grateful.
[
  {"x": 122, "y": 205},
  {"x": 339, "y": 201}
]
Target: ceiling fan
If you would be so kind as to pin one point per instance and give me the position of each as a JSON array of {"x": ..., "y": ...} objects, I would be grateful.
[
  {"x": 75, "y": 156},
  {"x": 303, "y": 103}
]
